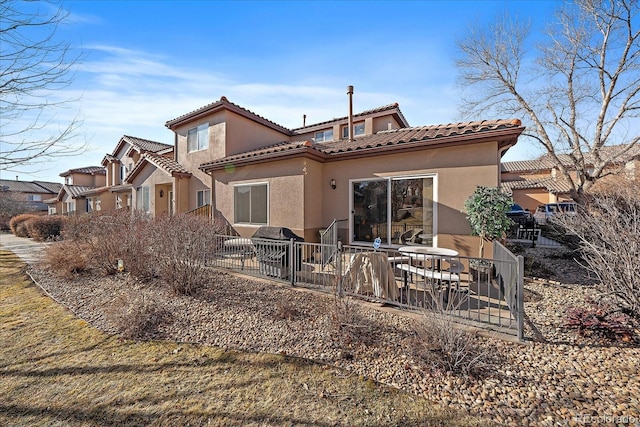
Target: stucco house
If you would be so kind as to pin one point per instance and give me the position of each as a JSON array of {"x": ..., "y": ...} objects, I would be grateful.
[
  {"x": 75, "y": 195},
  {"x": 382, "y": 178},
  {"x": 536, "y": 182},
  {"x": 129, "y": 150}
]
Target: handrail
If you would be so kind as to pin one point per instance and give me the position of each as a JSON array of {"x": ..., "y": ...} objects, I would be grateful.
[{"x": 204, "y": 210}]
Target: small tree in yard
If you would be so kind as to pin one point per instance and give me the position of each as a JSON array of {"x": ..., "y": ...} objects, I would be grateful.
[{"x": 486, "y": 211}]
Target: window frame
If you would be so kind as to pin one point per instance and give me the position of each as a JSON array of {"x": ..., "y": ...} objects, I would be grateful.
[
  {"x": 356, "y": 126},
  {"x": 237, "y": 220},
  {"x": 141, "y": 192},
  {"x": 202, "y": 138},
  {"x": 389, "y": 211},
  {"x": 327, "y": 135}
]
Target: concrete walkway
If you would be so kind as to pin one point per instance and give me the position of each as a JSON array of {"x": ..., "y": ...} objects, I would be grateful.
[{"x": 28, "y": 250}]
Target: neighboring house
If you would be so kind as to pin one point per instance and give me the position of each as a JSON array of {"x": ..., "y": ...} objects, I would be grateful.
[
  {"x": 537, "y": 182},
  {"x": 383, "y": 179},
  {"x": 77, "y": 194},
  {"x": 118, "y": 193},
  {"x": 29, "y": 196}
]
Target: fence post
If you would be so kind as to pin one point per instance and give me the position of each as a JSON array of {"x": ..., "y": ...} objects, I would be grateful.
[
  {"x": 292, "y": 260},
  {"x": 339, "y": 269},
  {"x": 520, "y": 297}
]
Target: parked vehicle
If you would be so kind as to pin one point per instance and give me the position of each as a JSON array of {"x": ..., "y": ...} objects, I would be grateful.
[
  {"x": 522, "y": 217},
  {"x": 547, "y": 211}
]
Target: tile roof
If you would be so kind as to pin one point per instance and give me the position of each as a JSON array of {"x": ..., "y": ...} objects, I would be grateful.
[
  {"x": 146, "y": 145},
  {"x": 52, "y": 187},
  {"x": 75, "y": 191},
  {"x": 166, "y": 164},
  {"x": 89, "y": 170},
  {"x": 108, "y": 158},
  {"x": 224, "y": 103},
  {"x": 384, "y": 109},
  {"x": 552, "y": 185},
  {"x": 398, "y": 139},
  {"x": 29, "y": 186},
  {"x": 545, "y": 162},
  {"x": 94, "y": 191}
]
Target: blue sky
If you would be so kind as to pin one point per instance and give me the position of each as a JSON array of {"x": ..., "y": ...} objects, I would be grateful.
[{"x": 146, "y": 62}]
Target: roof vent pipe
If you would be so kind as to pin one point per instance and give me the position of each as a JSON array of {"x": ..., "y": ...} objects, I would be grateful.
[
  {"x": 304, "y": 120},
  {"x": 350, "y": 93}
]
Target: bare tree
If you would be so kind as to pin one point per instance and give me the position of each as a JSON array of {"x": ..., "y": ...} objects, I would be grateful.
[
  {"x": 34, "y": 67},
  {"x": 578, "y": 89}
]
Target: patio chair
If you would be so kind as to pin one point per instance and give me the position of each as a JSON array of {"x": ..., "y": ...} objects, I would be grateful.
[{"x": 411, "y": 236}]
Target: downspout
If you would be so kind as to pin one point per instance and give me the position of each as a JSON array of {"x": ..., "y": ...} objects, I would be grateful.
[
  {"x": 350, "y": 130},
  {"x": 213, "y": 196}
]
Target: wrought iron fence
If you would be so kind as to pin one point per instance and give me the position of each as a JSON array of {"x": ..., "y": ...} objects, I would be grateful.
[{"x": 482, "y": 292}]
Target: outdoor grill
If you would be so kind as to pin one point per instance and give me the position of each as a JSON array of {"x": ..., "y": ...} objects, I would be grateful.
[{"x": 273, "y": 245}]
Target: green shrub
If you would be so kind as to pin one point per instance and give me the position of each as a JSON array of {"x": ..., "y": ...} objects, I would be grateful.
[
  {"x": 43, "y": 228},
  {"x": 16, "y": 224}
]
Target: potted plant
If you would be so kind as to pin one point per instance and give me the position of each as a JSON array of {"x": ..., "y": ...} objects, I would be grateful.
[{"x": 486, "y": 211}]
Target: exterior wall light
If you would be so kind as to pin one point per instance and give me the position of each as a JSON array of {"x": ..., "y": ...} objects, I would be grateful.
[
  {"x": 333, "y": 183},
  {"x": 161, "y": 193}
]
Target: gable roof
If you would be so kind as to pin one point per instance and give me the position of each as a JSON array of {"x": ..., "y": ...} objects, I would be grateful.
[
  {"x": 552, "y": 185},
  {"x": 140, "y": 145},
  {"x": 29, "y": 186},
  {"x": 166, "y": 164},
  {"x": 88, "y": 170},
  {"x": 224, "y": 104},
  {"x": 545, "y": 162},
  {"x": 74, "y": 191},
  {"x": 406, "y": 139},
  {"x": 394, "y": 109}
]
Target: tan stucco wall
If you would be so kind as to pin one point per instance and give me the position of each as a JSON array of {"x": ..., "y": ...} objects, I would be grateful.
[
  {"x": 458, "y": 171},
  {"x": 155, "y": 179},
  {"x": 301, "y": 198},
  {"x": 532, "y": 198},
  {"x": 285, "y": 194}
]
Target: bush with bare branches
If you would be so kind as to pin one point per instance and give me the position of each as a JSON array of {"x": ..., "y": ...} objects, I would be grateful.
[
  {"x": 18, "y": 226},
  {"x": 442, "y": 343},
  {"x": 113, "y": 236},
  {"x": 43, "y": 228},
  {"x": 182, "y": 245},
  {"x": 137, "y": 316},
  {"x": 608, "y": 230},
  {"x": 65, "y": 259}
]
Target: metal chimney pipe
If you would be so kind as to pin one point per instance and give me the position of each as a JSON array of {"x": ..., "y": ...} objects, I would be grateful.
[
  {"x": 304, "y": 120},
  {"x": 350, "y": 93}
]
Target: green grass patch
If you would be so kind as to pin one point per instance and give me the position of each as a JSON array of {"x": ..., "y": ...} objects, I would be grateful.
[{"x": 56, "y": 369}]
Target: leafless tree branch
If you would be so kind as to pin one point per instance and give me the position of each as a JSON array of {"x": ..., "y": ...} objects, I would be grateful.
[{"x": 34, "y": 65}]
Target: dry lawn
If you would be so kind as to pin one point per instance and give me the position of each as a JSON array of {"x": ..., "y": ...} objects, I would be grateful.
[{"x": 57, "y": 370}]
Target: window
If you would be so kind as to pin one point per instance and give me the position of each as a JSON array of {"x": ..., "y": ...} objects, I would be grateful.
[
  {"x": 250, "y": 204},
  {"x": 142, "y": 199},
  {"x": 203, "y": 197},
  {"x": 198, "y": 138},
  {"x": 71, "y": 206},
  {"x": 118, "y": 202},
  {"x": 68, "y": 180},
  {"x": 391, "y": 208},
  {"x": 89, "y": 204},
  {"x": 124, "y": 170},
  {"x": 34, "y": 197},
  {"x": 358, "y": 129},
  {"x": 325, "y": 135},
  {"x": 52, "y": 210}
]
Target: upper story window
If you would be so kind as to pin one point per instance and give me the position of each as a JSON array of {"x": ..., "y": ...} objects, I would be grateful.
[
  {"x": 34, "y": 197},
  {"x": 68, "y": 180},
  {"x": 325, "y": 135},
  {"x": 198, "y": 138},
  {"x": 358, "y": 129}
]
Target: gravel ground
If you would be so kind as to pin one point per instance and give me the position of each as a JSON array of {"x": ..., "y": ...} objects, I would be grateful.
[{"x": 563, "y": 380}]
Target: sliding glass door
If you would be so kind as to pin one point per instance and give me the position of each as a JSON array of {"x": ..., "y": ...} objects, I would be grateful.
[{"x": 399, "y": 210}]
